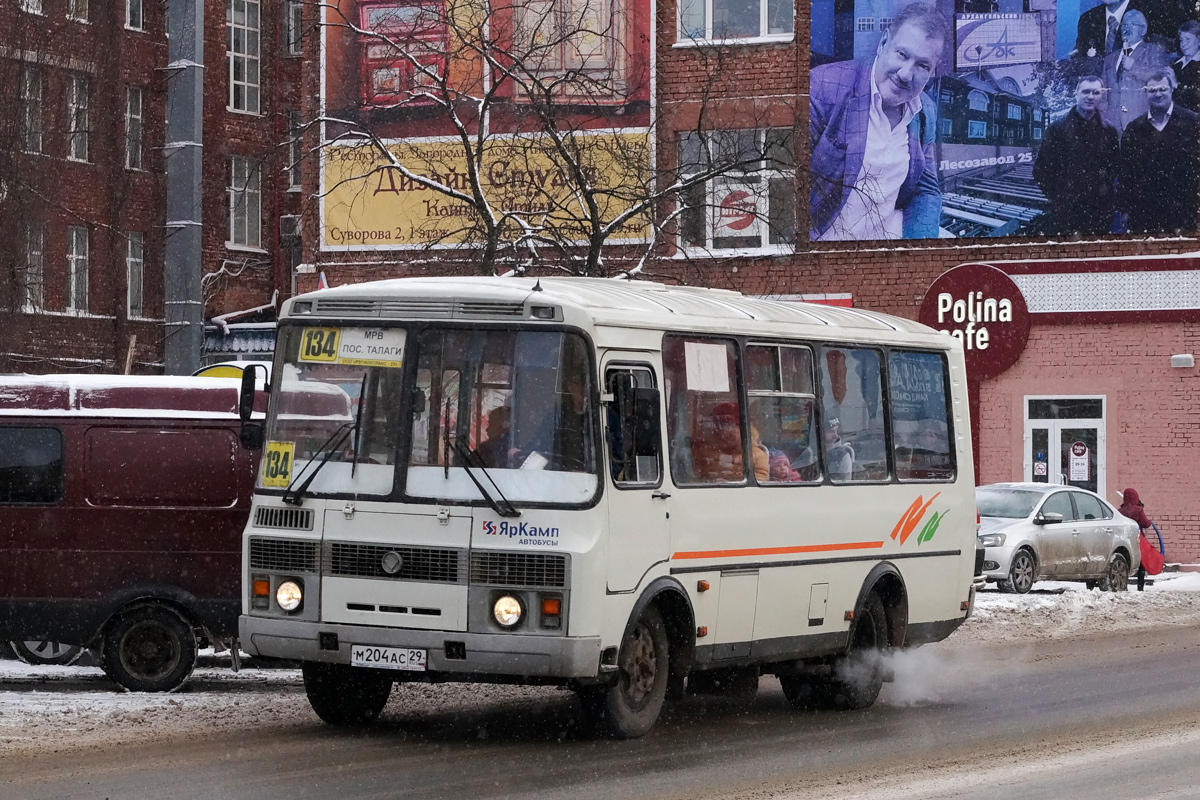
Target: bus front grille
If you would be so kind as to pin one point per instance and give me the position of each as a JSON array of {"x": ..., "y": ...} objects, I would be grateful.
[
  {"x": 500, "y": 568},
  {"x": 435, "y": 565},
  {"x": 283, "y": 555},
  {"x": 296, "y": 519}
]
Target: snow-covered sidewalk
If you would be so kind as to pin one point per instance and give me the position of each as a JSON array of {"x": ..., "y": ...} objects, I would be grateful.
[{"x": 48, "y": 709}]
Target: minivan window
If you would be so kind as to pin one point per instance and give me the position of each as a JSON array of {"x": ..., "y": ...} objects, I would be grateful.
[{"x": 31, "y": 465}]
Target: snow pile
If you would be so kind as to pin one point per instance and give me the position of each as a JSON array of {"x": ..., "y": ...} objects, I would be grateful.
[{"x": 53, "y": 709}]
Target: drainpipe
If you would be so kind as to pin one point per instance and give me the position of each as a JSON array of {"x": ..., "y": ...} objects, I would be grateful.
[{"x": 182, "y": 299}]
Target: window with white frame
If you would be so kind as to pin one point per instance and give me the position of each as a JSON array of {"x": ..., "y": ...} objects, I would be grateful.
[
  {"x": 134, "y": 18},
  {"x": 735, "y": 19},
  {"x": 77, "y": 268},
  {"x": 242, "y": 46},
  {"x": 31, "y": 6},
  {"x": 77, "y": 118},
  {"x": 133, "y": 127},
  {"x": 866, "y": 24},
  {"x": 245, "y": 203},
  {"x": 135, "y": 270},
  {"x": 295, "y": 150},
  {"x": 885, "y": 23},
  {"x": 31, "y": 108},
  {"x": 976, "y": 129},
  {"x": 747, "y": 199},
  {"x": 977, "y": 100},
  {"x": 34, "y": 279},
  {"x": 293, "y": 27},
  {"x": 78, "y": 10},
  {"x": 1014, "y": 111}
]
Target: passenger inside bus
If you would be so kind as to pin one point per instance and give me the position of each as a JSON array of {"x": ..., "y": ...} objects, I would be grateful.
[
  {"x": 839, "y": 455},
  {"x": 717, "y": 445}
]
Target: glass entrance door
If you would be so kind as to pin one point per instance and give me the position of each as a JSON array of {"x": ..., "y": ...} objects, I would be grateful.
[{"x": 1064, "y": 442}]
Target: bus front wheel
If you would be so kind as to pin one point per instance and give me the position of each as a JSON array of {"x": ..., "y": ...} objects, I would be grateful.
[
  {"x": 344, "y": 695},
  {"x": 629, "y": 707}
]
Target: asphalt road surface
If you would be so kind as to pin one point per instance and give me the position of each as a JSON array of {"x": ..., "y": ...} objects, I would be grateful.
[{"x": 1115, "y": 716}]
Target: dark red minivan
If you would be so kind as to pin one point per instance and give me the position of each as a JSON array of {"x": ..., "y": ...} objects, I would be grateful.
[{"x": 122, "y": 504}]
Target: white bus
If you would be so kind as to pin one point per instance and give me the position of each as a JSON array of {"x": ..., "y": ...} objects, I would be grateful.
[{"x": 630, "y": 489}]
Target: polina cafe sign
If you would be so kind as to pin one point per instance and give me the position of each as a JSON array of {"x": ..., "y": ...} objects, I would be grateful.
[{"x": 981, "y": 306}]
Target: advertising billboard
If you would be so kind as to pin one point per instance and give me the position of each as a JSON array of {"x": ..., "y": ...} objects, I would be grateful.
[
  {"x": 969, "y": 118},
  {"x": 444, "y": 117}
]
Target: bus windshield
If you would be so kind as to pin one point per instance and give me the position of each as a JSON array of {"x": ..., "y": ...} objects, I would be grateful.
[
  {"x": 518, "y": 404},
  {"x": 335, "y": 410}
]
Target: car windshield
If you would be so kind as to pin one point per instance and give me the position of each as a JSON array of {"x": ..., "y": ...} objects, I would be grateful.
[{"x": 1006, "y": 503}]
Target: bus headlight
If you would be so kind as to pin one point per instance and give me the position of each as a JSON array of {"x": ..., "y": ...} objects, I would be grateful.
[
  {"x": 507, "y": 611},
  {"x": 289, "y": 595}
]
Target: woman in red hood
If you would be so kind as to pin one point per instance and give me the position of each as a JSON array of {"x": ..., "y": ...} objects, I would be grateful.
[{"x": 1132, "y": 507}]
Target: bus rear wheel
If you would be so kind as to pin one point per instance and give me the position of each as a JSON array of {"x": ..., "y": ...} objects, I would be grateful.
[
  {"x": 149, "y": 648},
  {"x": 857, "y": 674},
  {"x": 629, "y": 707},
  {"x": 344, "y": 695}
]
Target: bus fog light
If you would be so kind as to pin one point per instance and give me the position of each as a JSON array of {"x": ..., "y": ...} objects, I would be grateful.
[
  {"x": 507, "y": 611},
  {"x": 289, "y": 595}
]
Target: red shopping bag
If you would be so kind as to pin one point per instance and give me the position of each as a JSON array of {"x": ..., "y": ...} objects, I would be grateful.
[{"x": 1152, "y": 560}]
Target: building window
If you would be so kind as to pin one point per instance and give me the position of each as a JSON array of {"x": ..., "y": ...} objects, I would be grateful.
[
  {"x": 77, "y": 118},
  {"x": 1014, "y": 111},
  {"x": 976, "y": 129},
  {"x": 977, "y": 100},
  {"x": 133, "y": 127},
  {"x": 575, "y": 47},
  {"x": 947, "y": 126},
  {"x": 748, "y": 202},
  {"x": 31, "y": 109},
  {"x": 1037, "y": 134},
  {"x": 885, "y": 23},
  {"x": 866, "y": 24},
  {"x": 295, "y": 150},
  {"x": 31, "y": 6},
  {"x": 134, "y": 20},
  {"x": 293, "y": 27},
  {"x": 78, "y": 10},
  {"x": 290, "y": 241},
  {"x": 245, "y": 203},
  {"x": 242, "y": 44},
  {"x": 33, "y": 281},
  {"x": 77, "y": 269},
  {"x": 734, "y": 19},
  {"x": 135, "y": 269}
]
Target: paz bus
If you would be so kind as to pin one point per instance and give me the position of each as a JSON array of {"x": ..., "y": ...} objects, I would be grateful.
[{"x": 631, "y": 489}]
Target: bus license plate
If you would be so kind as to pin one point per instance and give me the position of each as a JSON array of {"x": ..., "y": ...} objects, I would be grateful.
[{"x": 387, "y": 657}]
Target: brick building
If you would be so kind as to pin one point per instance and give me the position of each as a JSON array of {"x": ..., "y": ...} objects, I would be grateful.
[{"x": 84, "y": 168}]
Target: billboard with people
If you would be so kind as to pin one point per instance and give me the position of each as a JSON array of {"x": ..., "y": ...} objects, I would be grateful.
[{"x": 970, "y": 118}]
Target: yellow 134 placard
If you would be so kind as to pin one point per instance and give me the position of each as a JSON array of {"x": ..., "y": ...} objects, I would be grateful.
[{"x": 277, "y": 463}]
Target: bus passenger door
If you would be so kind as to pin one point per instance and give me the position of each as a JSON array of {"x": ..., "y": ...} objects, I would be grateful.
[{"x": 638, "y": 508}]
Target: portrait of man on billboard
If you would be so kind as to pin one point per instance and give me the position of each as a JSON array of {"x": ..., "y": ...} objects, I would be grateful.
[{"x": 997, "y": 133}]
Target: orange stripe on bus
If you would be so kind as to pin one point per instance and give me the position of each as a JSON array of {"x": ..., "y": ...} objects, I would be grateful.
[{"x": 778, "y": 551}]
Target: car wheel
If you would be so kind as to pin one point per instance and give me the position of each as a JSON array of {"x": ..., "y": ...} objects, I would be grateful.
[
  {"x": 629, "y": 707},
  {"x": 149, "y": 648},
  {"x": 1021, "y": 573},
  {"x": 344, "y": 695},
  {"x": 35, "y": 651},
  {"x": 1116, "y": 575}
]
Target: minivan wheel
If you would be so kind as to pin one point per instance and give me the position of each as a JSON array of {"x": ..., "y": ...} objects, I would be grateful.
[
  {"x": 36, "y": 651},
  {"x": 149, "y": 648},
  {"x": 1116, "y": 575},
  {"x": 1021, "y": 573}
]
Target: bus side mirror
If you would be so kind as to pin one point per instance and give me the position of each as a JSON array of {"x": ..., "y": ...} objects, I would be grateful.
[
  {"x": 252, "y": 434},
  {"x": 418, "y": 402}
]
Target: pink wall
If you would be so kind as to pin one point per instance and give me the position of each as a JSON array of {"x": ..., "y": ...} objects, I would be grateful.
[{"x": 1152, "y": 414}]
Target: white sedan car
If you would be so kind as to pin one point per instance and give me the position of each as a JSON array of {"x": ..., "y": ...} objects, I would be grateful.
[{"x": 1038, "y": 531}]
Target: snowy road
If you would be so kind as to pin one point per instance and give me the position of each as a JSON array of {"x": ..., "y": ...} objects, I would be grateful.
[{"x": 1031, "y": 690}]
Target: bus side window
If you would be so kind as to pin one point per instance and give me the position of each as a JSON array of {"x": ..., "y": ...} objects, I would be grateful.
[
  {"x": 704, "y": 411},
  {"x": 853, "y": 441},
  {"x": 632, "y": 427},
  {"x": 921, "y": 434},
  {"x": 779, "y": 384}
]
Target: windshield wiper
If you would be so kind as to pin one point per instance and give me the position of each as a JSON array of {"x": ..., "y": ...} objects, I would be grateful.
[
  {"x": 342, "y": 433},
  {"x": 504, "y": 508},
  {"x": 362, "y": 400}
]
